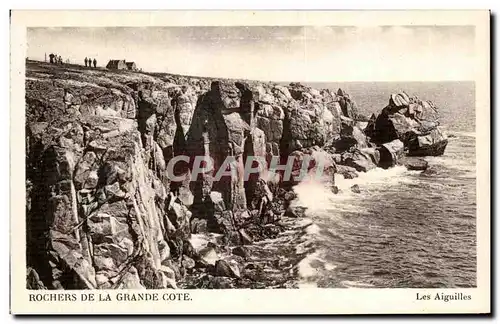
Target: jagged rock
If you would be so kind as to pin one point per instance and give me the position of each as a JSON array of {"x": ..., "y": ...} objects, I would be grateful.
[
  {"x": 411, "y": 120},
  {"x": 225, "y": 221},
  {"x": 399, "y": 100},
  {"x": 282, "y": 93},
  {"x": 347, "y": 105},
  {"x": 269, "y": 217},
  {"x": 308, "y": 121},
  {"x": 104, "y": 203},
  {"x": 389, "y": 127},
  {"x": 432, "y": 144},
  {"x": 226, "y": 269},
  {"x": 188, "y": 249},
  {"x": 370, "y": 128}
]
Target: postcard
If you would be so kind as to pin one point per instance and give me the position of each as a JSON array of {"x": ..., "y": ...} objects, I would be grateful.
[{"x": 250, "y": 162}]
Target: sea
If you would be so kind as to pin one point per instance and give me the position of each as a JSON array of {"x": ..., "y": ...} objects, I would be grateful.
[{"x": 405, "y": 229}]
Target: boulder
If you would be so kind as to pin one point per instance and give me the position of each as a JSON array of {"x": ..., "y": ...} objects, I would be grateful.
[
  {"x": 413, "y": 121},
  {"x": 226, "y": 269},
  {"x": 389, "y": 127},
  {"x": 390, "y": 153},
  {"x": 355, "y": 189},
  {"x": 363, "y": 159},
  {"x": 416, "y": 164},
  {"x": 399, "y": 100},
  {"x": 432, "y": 144}
]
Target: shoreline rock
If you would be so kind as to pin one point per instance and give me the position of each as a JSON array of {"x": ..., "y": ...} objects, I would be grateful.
[
  {"x": 415, "y": 164},
  {"x": 103, "y": 211}
]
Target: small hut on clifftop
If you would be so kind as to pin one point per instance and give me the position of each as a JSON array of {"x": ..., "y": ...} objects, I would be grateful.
[
  {"x": 131, "y": 66},
  {"x": 117, "y": 65}
]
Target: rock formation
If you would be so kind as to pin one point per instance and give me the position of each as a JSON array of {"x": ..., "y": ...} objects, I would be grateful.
[
  {"x": 411, "y": 120},
  {"x": 105, "y": 210}
]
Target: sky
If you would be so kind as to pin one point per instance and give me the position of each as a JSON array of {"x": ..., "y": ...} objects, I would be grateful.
[{"x": 274, "y": 53}]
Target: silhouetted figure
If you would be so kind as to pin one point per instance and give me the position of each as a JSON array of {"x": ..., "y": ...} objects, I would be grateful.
[
  {"x": 51, "y": 58},
  {"x": 86, "y": 61},
  {"x": 90, "y": 62},
  {"x": 95, "y": 62},
  {"x": 60, "y": 60}
]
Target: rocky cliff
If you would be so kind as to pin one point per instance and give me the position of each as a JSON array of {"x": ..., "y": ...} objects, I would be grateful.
[{"x": 105, "y": 210}]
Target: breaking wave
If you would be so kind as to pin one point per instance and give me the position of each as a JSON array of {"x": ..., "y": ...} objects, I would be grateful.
[{"x": 404, "y": 229}]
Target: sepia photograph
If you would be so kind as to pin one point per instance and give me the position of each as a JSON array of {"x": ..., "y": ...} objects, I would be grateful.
[{"x": 250, "y": 157}]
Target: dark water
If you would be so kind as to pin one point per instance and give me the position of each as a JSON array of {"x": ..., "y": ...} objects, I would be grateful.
[{"x": 405, "y": 228}]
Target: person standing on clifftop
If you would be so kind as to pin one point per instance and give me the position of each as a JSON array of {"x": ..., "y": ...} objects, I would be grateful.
[
  {"x": 85, "y": 61},
  {"x": 95, "y": 63}
]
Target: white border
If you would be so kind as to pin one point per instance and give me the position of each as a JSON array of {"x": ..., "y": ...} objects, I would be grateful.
[{"x": 259, "y": 301}]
